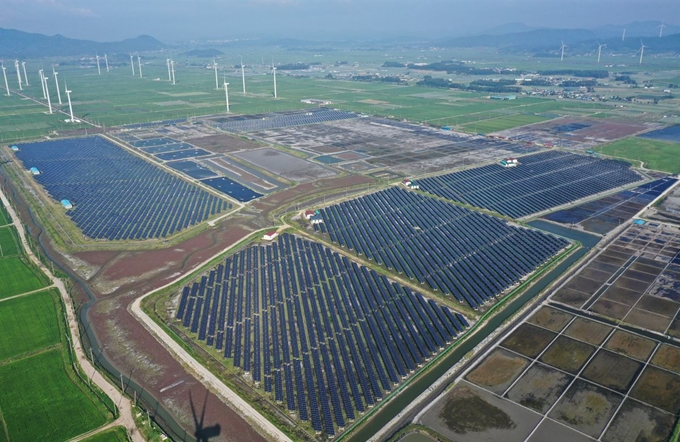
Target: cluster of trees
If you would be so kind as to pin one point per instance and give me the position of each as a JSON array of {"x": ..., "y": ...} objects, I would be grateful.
[
  {"x": 393, "y": 64},
  {"x": 454, "y": 67},
  {"x": 626, "y": 79},
  {"x": 579, "y": 83},
  {"x": 500, "y": 86},
  {"x": 293, "y": 67},
  {"x": 590, "y": 73},
  {"x": 388, "y": 79}
]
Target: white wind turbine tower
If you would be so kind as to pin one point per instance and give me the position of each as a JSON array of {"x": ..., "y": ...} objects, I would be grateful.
[
  {"x": 139, "y": 64},
  {"x": 56, "y": 83},
  {"x": 217, "y": 84},
  {"x": 42, "y": 83},
  {"x": 623, "y": 37},
  {"x": 243, "y": 76},
  {"x": 70, "y": 108},
  {"x": 562, "y": 49},
  {"x": 274, "y": 72},
  {"x": 599, "y": 50},
  {"x": 661, "y": 26},
  {"x": 4, "y": 74},
  {"x": 226, "y": 93},
  {"x": 641, "y": 51},
  {"x": 132, "y": 65},
  {"x": 47, "y": 92},
  {"x": 99, "y": 69},
  {"x": 23, "y": 66},
  {"x": 167, "y": 62},
  {"x": 16, "y": 66},
  {"x": 172, "y": 67},
  {"x": 106, "y": 61}
]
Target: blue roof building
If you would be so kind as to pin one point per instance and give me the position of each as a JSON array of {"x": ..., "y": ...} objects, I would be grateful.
[
  {"x": 66, "y": 204},
  {"x": 34, "y": 171}
]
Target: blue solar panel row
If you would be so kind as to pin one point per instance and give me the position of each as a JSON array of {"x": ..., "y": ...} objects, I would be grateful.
[
  {"x": 328, "y": 336},
  {"x": 469, "y": 255},
  {"x": 276, "y": 121},
  {"x": 116, "y": 195},
  {"x": 154, "y": 123},
  {"x": 540, "y": 182}
]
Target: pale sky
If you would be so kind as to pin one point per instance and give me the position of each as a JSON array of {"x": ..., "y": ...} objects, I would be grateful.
[{"x": 178, "y": 20}]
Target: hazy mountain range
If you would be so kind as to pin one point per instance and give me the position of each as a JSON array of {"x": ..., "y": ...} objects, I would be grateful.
[{"x": 511, "y": 37}]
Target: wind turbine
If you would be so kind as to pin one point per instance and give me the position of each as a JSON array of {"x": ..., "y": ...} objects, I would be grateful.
[
  {"x": 243, "y": 76},
  {"x": 217, "y": 84},
  {"x": 172, "y": 66},
  {"x": 56, "y": 83},
  {"x": 42, "y": 83},
  {"x": 599, "y": 50},
  {"x": 623, "y": 37},
  {"x": 23, "y": 65},
  {"x": 139, "y": 63},
  {"x": 47, "y": 92},
  {"x": 70, "y": 108},
  {"x": 106, "y": 61},
  {"x": 226, "y": 93},
  {"x": 562, "y": 49},
  {"x": 99, "y": 69},
  {"x": 661, "y": 26},
  {"x": 641, "y": 51},
  {"x": 132, "y": 65},
  {"x": 4, "y": 73},
  {"x": 167, "y": 62},
  {"x": 16, "y": 66},
  {"x": 274, "y": 72}
]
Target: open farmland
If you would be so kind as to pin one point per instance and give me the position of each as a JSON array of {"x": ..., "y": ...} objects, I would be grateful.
[
  {"x": 18, "y": 277},
  {"x": 462, "y": 253},
  {"x": 314, "y": 330},
  {"x": 9, "y": 243},
  {"x": 541, "y": 181},
  {"x": 540, "y": 382},
  {"x": 654, "y": 154},
  {"x": 116, "y": 195}
]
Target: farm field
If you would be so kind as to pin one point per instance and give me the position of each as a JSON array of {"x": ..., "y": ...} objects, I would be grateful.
[
  {"x": 9, "y": 243},
  {"x": 44, "y": 402},
  {"x": 655, "y": 154},
  {"x": 502, "y": 123},
  {"x": 39, "y": 310},
  {"x": 4, "y": 217},
  {"x": 115, "y": 434},
  {"x": 18, "y": 277}
]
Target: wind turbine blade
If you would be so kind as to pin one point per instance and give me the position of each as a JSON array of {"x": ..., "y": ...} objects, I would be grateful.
[
  {"x": 205, "y": 404},
  {"x": 193, "y": 412}
]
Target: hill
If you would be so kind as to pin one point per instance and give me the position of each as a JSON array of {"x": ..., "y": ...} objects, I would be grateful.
[{"x": 27, "y": 45}]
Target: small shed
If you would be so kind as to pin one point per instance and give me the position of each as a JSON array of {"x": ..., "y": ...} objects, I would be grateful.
[
  {"x": 34, "y": 171},
  {"x": 66, "y": 204},
  {"x": 269, "y": 236},
  {"x": 14, "y": 148},
  {"x": 316, "y": 219},
  {"x": 309, "y": 214}
]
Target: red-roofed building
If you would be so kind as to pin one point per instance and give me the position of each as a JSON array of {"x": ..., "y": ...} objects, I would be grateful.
[{"x": 269, "y": 236}]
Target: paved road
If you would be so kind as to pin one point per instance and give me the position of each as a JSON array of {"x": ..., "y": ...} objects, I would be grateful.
[{"x": 126, "y": 418}]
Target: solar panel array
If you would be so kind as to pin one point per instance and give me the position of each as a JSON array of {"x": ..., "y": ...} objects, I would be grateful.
[
  {"x": 324, "y": 335},
  {"x": 154, "y": 123},
  {"x": 116, "y": 195},
  {"x": 540, "y": 182},
  {"x": 276, "y": 121},
  {"x": 463, "y": 253}
]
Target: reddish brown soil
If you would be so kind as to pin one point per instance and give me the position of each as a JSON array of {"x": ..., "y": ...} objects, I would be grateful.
[{"x": 98, "y": 258}]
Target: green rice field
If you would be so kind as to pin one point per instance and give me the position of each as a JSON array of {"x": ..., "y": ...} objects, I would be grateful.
[
  {"x": 9, "y": 243},
  {"x": 40, "y": 311},
  {"x": 4, "y": 217},
  {"x": 40, "y": 401},
  {"x": 18, "y": 277},
  {"x": 115, "y": 434},
  {"x": 656, "y": 155}
]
